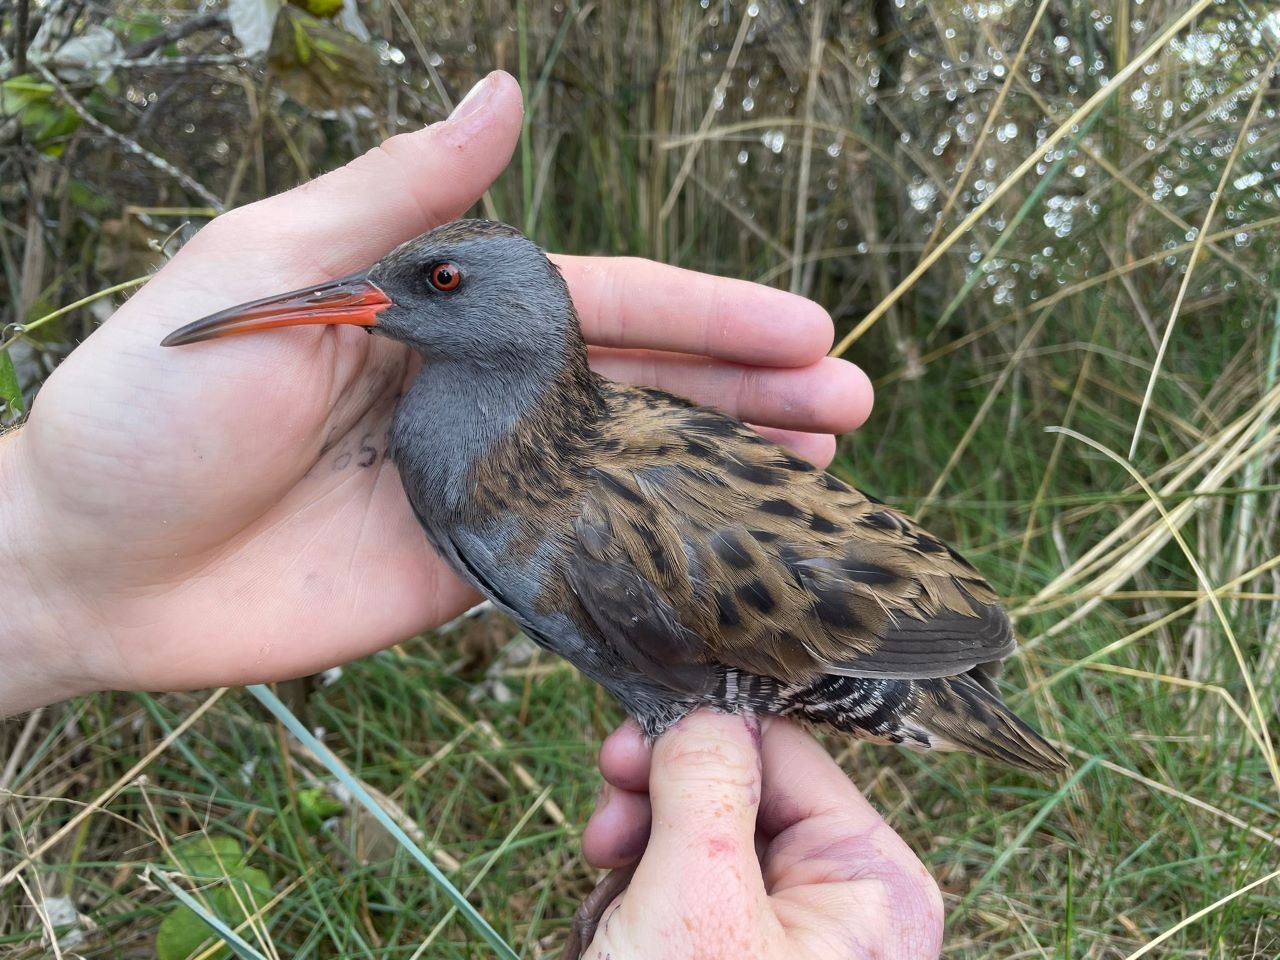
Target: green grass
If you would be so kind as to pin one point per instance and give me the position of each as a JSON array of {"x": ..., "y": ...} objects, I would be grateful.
[{"x": 1018, "y": 327}]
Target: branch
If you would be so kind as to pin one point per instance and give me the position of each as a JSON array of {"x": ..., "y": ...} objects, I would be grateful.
[
  {"x": 20, "y": 38},
  {"x": 179, "y": 31},
  {"x": 183, "y": 62}
]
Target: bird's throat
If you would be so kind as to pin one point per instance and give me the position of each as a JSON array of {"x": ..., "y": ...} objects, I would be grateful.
[{"x": 463, "y": 428}]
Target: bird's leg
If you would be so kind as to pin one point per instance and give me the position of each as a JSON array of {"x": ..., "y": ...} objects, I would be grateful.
[{"x": 588, "y": 916}]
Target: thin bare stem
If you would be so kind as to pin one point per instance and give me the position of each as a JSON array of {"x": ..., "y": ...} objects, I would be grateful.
[{"x": 806, "y": 147}]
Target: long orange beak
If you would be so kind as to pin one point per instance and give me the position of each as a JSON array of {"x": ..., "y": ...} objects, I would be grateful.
[{"x": 354, "y": 299}]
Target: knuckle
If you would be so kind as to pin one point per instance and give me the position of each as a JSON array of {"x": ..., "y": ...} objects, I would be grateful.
[
  {"x": 630, "y": 264},
  {"x": 613, "y": 306},
  {"x": 375, "y": 160},
  {"x": 395, "y": 159},
  {"x": 715, "y": 760},
  {"x": 787, "y": 397},
  {"x": 399, "y": 148},
  {"x": 798, "y": 400},
  {"x": 751, "y": 394}
]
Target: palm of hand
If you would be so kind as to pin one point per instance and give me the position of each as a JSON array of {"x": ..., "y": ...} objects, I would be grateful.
[{"x": 266, "y": 492}]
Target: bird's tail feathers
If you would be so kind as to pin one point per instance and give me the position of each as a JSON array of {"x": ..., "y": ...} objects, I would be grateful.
[{"x": 965, "y": 714}]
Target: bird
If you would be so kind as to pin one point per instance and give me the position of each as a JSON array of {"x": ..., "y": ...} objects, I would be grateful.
[{"x": 665, "y": 549}]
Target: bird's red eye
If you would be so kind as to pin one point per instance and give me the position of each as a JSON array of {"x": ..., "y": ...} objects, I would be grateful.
[{"x": 446, "y": 276}]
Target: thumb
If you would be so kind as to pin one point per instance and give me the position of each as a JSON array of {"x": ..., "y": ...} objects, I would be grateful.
[{"x": 704, "y": 785}]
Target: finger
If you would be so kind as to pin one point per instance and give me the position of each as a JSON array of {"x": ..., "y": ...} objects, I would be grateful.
[
  {"x": 829, "y": 396},
  {"x": 634, "y": 303},
  {"x": 704, "y": 788},
  {"x": 625, "y": 758},
  {"x": 350, "y": 217},
  {"x": 618, "y": 830}
]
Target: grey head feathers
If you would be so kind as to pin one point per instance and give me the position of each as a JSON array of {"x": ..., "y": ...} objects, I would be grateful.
[{"x": 511, "y": 305}]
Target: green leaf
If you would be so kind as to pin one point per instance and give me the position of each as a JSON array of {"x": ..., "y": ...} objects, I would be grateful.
[
  {"x": 43, "y": 119},
  {"x": 18, "y": 92},
  {"x": 90, "y": 199},
  {"x": 132, "y": 28},
  {"x": 228, "y": 890},
  {"x": 301, "y": 42},
  {"x": 10, "y": 392},
  {"x": 204, "y": 857},
  {"x": 182, "y": 933},
  {"x": 320, "y": 8}
]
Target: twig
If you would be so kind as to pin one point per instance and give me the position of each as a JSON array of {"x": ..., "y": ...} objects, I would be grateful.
[
  {"x": 20, "y": 38},
  {"x": 132, "y": 146},
  {"x": 181, "y": 63},
  {"x": 179, "y": 31}
]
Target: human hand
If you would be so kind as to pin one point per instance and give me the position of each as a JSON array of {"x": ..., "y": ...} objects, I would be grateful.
[
  {"x": 228, "y": 514},
  {"x": 752, "y": 843}
]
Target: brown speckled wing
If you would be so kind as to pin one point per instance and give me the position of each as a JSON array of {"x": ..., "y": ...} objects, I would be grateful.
[{"x": 700, "y": 542}]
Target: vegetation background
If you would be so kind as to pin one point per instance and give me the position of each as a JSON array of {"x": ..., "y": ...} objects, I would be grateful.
[{"x": 1095, "y": 190}]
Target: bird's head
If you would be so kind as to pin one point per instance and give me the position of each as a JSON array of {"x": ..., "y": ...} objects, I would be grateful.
[{"x": 470, "y": 291}]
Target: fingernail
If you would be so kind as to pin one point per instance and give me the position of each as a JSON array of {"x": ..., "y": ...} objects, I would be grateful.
[
  {"x": 475, "y": 99},
  {"x": 602, "y": 798}
]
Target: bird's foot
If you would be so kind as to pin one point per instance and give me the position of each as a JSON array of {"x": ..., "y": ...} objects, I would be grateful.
[{"x": 588, "y": 916}]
